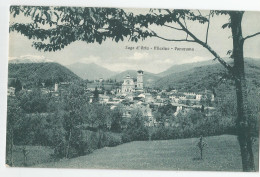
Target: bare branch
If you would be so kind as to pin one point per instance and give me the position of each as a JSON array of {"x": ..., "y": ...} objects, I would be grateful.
[
  {"x": 199, "y": 12},
  {"x": 167, "y": 10},
  {"x": 186, "y": 27},
  {"x": 155, "y": 13},
  {"x": 205, "y": 45},
  {"x": 176, "y": 40},
  {"x": 173, "y": 27},
  {"x": 207, "y": 33},
  {"x": 249, "y": 36}
]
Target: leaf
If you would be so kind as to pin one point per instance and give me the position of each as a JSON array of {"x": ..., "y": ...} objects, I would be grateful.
[
  {"x": 229, "y": 52},
  {"x": 226, "y": 25}
]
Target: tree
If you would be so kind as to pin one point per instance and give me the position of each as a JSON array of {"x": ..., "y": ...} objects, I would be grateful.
[
  {"x": 188, "y": 102},
  {"x": 117, "y": 120},
  {"x": 73, "y": 100},
  {"x": 69, "y": 24},
  {"x": 34, "y": 101},
  {"x": 202, "y": 108},
  {"x": 136, "y": 130},
  {"x": 96, "y": 95},
  {"x": 164, "y": 113},
  {"x": 16, "y": 83},
  {"x": 103, "y": 115},
  {"x": 14, "y": 116},
  {"x": 90, "y": 116},
  {"x": 201, "y": 145}
]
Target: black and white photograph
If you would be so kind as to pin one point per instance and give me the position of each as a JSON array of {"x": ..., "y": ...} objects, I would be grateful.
[{"x": 133, "y": 88}]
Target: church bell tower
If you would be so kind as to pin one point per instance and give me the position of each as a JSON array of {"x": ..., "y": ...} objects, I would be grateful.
[{"x": 140, "y": 82}]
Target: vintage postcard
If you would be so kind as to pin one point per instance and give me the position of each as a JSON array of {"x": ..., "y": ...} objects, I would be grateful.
[{"x": 122, "y": 88}]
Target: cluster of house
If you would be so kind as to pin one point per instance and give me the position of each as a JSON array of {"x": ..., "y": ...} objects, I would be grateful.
[
  {"x": 55, "y": 91},
  {"x": 132, "y": 95}
]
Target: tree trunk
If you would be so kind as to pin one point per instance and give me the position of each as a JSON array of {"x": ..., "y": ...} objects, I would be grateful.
[{"x": 242, "y": 122}]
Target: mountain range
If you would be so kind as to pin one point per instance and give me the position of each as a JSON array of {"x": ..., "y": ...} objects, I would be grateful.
[
  {"x": 190, "y": 76},
  {"x": 93, "y": 71},
  {"x": 148, "y": 78},
  {"x": 90, "y": 71},
  {"x": 29, "y": 59}
]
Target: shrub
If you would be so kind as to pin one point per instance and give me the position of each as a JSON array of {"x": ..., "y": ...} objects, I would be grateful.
[
  {"x": 112, "y": 140},
  {"x": 140, "y": 134},
  {"x": 164, "y": 133},
  {"x": 136, "y": 131},
  {"x": 126, "y": 137}
]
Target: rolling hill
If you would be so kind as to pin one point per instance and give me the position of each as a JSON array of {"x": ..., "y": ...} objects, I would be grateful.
[
  {"x": 149, "y": 78},
  {"x": 90, "y": 71},
  {"x": 206, "y": 77},
  {"x": 185, "y": 67},
  {"x": 31, "y": 74}
]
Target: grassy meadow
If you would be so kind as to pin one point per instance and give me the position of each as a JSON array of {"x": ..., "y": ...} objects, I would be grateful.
[
  {"x": 35, "y": 155},
  {"x": 222, "y": 154}
]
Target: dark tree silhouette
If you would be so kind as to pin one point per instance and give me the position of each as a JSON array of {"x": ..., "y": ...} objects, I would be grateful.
[{"x": 96, "y": 95}]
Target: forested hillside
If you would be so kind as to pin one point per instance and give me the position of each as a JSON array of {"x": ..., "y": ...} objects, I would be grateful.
[
  {"x": 207, "y": 77},
  {"x": 185, "y": 67},
  {"x": 33, "y": 74}
]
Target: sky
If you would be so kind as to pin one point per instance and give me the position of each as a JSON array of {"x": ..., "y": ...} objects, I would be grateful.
[{"x": 117, "y": 56}]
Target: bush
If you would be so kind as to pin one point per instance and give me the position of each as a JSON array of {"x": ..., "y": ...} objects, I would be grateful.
[
  {"x": 126, "y": 138},
  {"x": 112, "y": 140},
  {"x": 162, "y": 133},
  {"x": 141, "y": 134},
  {"x": 136, "y": 131},
  {"x": 195, "y": 125},
  {"x": 85, "y": 141},
  {"x": 81, "y": 143}
]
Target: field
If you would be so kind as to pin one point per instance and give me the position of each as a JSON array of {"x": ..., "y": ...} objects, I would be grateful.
[
  {"x": 36, "y": 155},
  {"x": 222, "y": 154}
]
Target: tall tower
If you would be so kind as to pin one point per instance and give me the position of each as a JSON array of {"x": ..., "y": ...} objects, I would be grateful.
[
  {"x": 140, "y": 82},
  {"x": 56, "y": 87}
]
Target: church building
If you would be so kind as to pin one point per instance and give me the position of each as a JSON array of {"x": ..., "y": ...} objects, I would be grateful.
[{"x": 130, "y": 86}]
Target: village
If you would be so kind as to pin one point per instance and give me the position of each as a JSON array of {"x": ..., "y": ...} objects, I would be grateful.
[{"x": 132, "y": 94}]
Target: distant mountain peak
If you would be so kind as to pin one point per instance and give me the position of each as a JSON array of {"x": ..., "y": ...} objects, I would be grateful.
[
  {"x": 90, "y": 71},
  {"x": 29, "y": 59}
]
